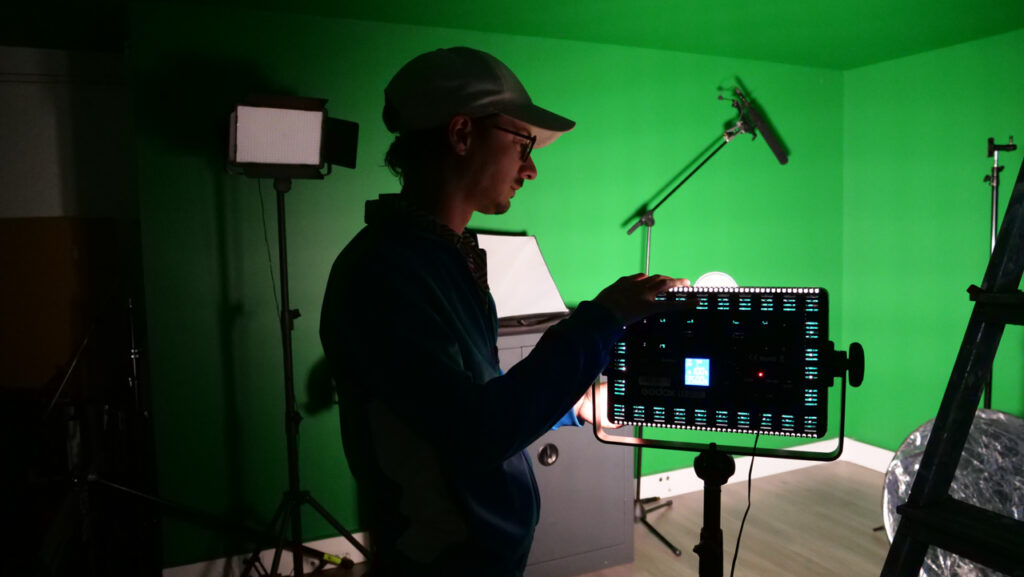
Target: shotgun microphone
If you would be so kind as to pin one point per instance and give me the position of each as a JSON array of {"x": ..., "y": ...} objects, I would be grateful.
[
  {"x": 750, "y": 116},
  {"x": 767, "y": 133}
]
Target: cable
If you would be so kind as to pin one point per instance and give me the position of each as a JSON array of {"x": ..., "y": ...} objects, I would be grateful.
[
  {"x": 266, "y": 241},
  {"x": 750, "y": 477}
]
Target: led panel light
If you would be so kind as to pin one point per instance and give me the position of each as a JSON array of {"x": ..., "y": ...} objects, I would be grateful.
[
  {"x": 744, "y": 359},
  {"x": 277, "y": 136}
]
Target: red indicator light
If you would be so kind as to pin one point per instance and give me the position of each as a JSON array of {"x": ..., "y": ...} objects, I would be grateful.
[{"x": 760, "y": 374}]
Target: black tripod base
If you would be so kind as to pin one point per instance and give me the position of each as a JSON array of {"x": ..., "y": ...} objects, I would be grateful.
[
  {"x": 290, "y": 506},
  {"x": 640, "y": 514}
]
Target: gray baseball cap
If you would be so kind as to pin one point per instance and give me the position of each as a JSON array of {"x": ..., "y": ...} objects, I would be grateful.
[{"x": 433, "y": 87}]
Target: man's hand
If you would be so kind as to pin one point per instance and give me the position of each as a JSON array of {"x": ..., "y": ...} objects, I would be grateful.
[
  {"x": 585, "y": 406},
  {"x": 631, "y": 298}
]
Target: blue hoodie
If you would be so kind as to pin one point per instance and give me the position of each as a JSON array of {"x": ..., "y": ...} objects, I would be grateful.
[{"x": 434, "y": 433}]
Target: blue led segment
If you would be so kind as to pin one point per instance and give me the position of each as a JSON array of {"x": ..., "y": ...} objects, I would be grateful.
[
  {"x": 810, "y": 424},
  {"x": 658, "y": 414},
  {"x": 722, "y": 419},
  {"x": 743, "y": 420},
  {"x": 810, "y": 397},
  {"x": 679, "y": 416},
  {"x": 619, "y": 387},
  {"x": 700, "y": 417},
  {"x": 788, "y": 423},
  {"x": 618, "y": 412}
]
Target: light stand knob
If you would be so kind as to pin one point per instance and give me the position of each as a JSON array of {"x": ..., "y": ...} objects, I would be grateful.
[
  {"x": 855, "y": 364},
  {"x": 851, "y": 366}
]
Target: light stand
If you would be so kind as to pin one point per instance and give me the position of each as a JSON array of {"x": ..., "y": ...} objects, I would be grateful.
[
  {"x": 286, "y": 137},
  {"x": 714, "y": 468},
  {"x": 289, "y": 512},
  {"x": 714, "y": 463},
  {"x": 742, "y": 126},
  {"x": 993, "y": 180}
]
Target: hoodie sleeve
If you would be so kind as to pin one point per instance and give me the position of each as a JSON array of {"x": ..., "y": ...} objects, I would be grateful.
[{"x": 392, "y": 339}]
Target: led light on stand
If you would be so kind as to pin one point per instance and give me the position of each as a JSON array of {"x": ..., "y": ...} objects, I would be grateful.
[
  {"x": 288, "y": 137},
  {"x": 263, "y": 135},
  {"x": 284, "y": 138}
]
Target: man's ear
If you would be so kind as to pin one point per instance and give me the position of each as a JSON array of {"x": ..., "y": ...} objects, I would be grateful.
[{"x": 460, "y": 131}]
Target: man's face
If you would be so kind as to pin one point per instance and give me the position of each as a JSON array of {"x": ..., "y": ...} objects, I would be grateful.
[{"x": 496, "y": 169}]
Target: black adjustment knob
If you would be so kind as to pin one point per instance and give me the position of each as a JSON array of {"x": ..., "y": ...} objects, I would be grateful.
[
  {"x": 856, "y": 364},
  {"x": 547, "y": 455}
]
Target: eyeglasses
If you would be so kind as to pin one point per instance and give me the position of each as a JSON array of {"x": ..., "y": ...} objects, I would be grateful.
[{"x": 527, "y": 147}]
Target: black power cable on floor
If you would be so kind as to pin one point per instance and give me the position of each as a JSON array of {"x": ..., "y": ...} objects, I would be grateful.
[
  {"x": 266, "y": 241},
  {"x": 750, "y": 476}
]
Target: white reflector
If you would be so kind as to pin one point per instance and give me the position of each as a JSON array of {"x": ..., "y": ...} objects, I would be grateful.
[{"x": 518, "y": 276}]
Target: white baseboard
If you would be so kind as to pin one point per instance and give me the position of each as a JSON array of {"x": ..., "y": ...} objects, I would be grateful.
[
  {"x": 667, "y": 484},
  {"x": 232, "y": 566},
  {"x": 868, "y": 456},
  {"x": 682, "y": 481}
]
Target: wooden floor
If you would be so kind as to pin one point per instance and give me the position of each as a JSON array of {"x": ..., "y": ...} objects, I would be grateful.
[{"x": 817, "y": 521}]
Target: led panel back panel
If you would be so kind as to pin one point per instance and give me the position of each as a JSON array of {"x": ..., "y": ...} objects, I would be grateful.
[{"x": 743, "y": 360}]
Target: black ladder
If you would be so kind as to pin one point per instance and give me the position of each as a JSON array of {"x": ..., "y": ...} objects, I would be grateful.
[{"x": 931, "y": 516}]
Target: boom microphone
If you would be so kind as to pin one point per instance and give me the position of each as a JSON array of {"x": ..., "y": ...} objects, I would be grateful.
[{"x": 767, "y": 132}]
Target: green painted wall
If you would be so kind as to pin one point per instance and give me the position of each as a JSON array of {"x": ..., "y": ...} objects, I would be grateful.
[
  {"x": 644, "y": 118},
  {"x": 917, "y": 223}
]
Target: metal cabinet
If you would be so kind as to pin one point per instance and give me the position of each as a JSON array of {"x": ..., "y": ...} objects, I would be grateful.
[{"x": 586, "y": 490}]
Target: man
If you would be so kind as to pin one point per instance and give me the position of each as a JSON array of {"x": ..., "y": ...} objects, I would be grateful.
[{"x": 434, "y": 433}]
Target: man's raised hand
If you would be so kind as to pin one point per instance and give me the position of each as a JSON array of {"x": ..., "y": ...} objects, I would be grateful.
[{"x": 632, "y": 298}]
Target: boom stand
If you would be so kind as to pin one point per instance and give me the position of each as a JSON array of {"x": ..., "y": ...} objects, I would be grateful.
[
  {"x": 647, "y": 220},
  {"x": 290, "y": 509}
]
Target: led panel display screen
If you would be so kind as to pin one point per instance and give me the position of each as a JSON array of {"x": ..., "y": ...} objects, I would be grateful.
[{"x": 743, "y": 359}]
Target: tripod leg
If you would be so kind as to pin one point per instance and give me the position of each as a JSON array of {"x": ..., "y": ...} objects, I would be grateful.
[
  {"x": 662, "y": 538},
  {"x": 251, "y": 561},
  {"x": 290, "y": 508},
  {"x": 640, "y": 514},
  {"x": 660, "y": 505},
  {"x": 334, "y": 523}
]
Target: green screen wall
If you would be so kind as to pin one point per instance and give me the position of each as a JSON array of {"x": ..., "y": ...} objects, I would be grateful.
[
  {"x": 917, "y": 221},
  {"x": 644, "y": 118}
]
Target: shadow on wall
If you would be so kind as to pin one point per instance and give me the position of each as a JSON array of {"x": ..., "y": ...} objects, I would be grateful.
[
  {"x": 185, "y": 102},
  {"x": 182, "y": 106},
  {"x": 321, "y": 394}
]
